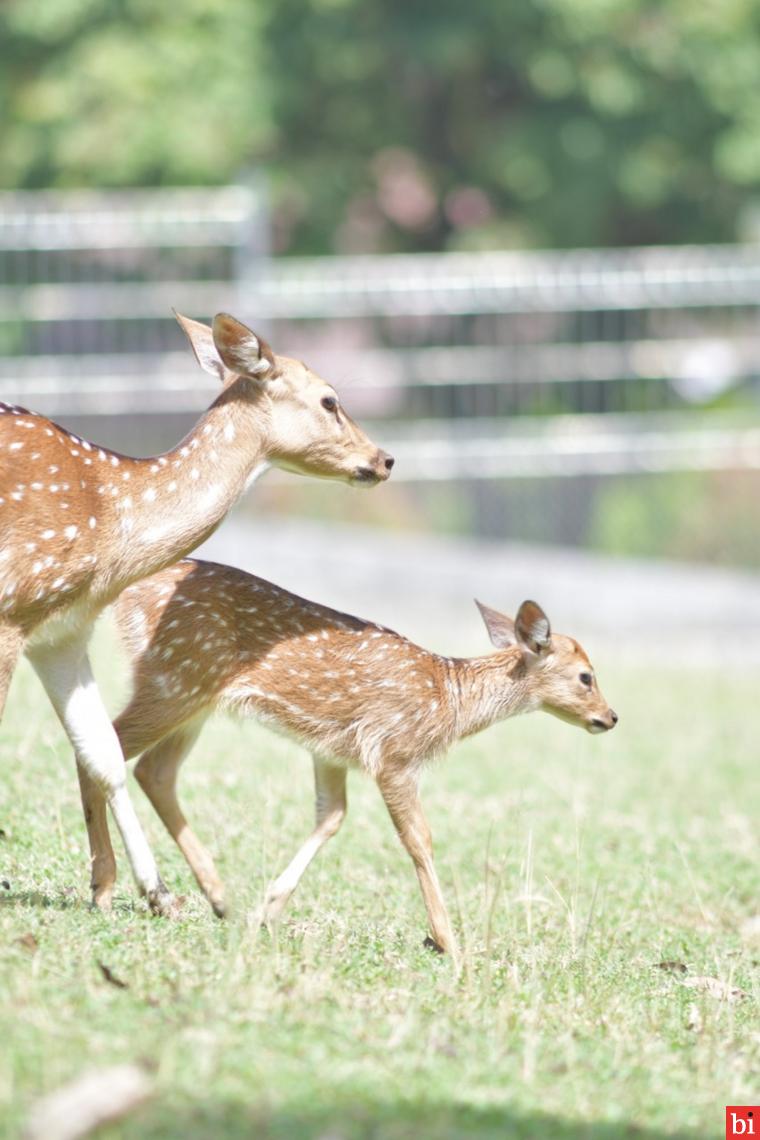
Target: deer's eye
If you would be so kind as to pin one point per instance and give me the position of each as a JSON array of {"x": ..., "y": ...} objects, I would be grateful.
[
  {"x": 329, "y": 403},
  {"x": 586, "y": 679}
]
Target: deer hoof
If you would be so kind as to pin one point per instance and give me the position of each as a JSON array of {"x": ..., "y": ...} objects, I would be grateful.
[
  {"x": 102, "y": 898},
  {"x": 164, "y": 904},
  {"x": 219, "y": 907},
  {"x": 431, "y": 944}
]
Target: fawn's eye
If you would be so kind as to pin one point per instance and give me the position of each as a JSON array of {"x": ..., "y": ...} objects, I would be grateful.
[
  {"x": 329, "y": 403},
  {"x": 586, "y": 679}
]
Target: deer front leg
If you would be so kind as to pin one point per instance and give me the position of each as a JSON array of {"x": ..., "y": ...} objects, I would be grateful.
[
  {"x": 330, "y": 789},
  {"x": 65, "y": 673},
  {"x": 401, "y": 796},
  {"x": 102, "y": 860},
  {"x": 157, "y": 771}
]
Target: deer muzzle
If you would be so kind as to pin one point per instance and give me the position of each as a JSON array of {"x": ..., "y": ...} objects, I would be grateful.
[
  {"x": 603, "y": 723},
  {"x": 377, "y": 471}
]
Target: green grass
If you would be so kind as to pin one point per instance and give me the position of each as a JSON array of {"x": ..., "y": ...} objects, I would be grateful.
[{"x": 573, "y": 865}]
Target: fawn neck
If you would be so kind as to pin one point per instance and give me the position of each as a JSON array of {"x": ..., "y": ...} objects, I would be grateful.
[{"x": 486, "y": 689}]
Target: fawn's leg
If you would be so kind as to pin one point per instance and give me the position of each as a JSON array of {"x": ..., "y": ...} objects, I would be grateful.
[
  {"x": 65, "y": 672},
  {"x": 401, "y": 795},
  {"x": 330, "y": 788},
  {"x": 102, "y": 859},
  {"x": 157, "y": 771}
]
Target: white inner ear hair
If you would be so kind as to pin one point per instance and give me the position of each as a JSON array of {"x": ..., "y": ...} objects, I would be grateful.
[
  {"x": 540, "y": 630},
  {"x": 247, "y": 353},
  {"x": 261, "y": 366}
]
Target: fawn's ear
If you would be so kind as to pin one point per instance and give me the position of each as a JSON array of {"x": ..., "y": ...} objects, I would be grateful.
[
  {"x": 202, "y": 343},
  {"x": 240, "y": 349},
  {"x": 532, "y": 628},
  {"x": 501, "y": 629}
]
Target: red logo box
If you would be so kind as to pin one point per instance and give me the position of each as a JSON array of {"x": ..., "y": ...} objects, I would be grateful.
[{"x": 742, "y": 1120}]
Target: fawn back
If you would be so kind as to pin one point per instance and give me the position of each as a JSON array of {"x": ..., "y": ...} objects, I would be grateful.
[{"x": 206, "y": 636}]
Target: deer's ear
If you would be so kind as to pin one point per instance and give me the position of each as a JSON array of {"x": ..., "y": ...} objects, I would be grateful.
[
  {"x": 532, "y": 628},
  {"x": 202, "y": 343},
  {"x": 241, "y": 350},
  {"x": 501, "y": 629}
]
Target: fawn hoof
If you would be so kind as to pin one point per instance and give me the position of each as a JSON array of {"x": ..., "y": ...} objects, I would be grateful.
[
  {"x": 272, "y": 909},
  {"x": 163, "y": 903},
  {"x": 219, "y": 907},
  {"x": 431, "y": 944},
  {"x": 269, "y": 914}
]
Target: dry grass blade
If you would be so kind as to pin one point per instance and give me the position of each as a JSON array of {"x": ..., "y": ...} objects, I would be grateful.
[
  {"x": 715, "y": 988},
  {"x": 28, "y": 942},
  {"x": 111, "y": 978},
  {"x": 750, "y": 930},
  {"x": 671, "y": 967}
]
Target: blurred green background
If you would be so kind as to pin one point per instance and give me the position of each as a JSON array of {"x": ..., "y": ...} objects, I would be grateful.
[{"x": 402, "y": 125}]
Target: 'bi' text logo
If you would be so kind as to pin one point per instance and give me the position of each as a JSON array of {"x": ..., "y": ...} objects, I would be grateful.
[{"x": 742, "y": 1120}]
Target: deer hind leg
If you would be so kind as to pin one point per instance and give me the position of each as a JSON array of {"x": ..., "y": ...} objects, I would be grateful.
[
  {"x": 102, "y": 859},
  {"x": 11, "y": 644},
  {"x": 402, "y": 800},
  {"x": 66, "y": 675},
  {"x": 157, "y": 771},
  {"x": 330, "y": 789}
]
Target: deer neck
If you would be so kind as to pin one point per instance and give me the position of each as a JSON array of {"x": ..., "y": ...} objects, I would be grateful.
[
  {"x": 176, "y": 500},
  {"x": 487, "y": 689}
]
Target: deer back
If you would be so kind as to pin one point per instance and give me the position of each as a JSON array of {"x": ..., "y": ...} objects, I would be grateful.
[{"x": 54, "y": 513}]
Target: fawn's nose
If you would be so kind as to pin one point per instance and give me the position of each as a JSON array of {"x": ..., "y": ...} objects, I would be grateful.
[
  {"x": 604, "y": 724},
  {"x": 386, "y": 460}
]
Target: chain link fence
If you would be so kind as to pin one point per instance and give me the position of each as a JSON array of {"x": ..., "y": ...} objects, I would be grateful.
[{"x": 605, "y": 398}]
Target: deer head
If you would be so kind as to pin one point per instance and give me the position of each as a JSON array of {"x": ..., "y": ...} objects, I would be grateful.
[
  {"x": 558, "y": 676},
  {"x": 307, "y": 430}
]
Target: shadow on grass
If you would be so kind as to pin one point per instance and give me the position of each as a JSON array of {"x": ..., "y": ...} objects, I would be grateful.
[
  {"x": 43, "y": 902},
  {"x": 382, "y": 1121}
]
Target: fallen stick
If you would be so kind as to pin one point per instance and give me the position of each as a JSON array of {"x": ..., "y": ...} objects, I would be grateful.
[{"x": 98, "y": 1097}]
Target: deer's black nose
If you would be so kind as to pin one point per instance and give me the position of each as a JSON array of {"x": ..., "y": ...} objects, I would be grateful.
[
  {"x": 613, "y": 716},
  {"x": 387, "y": 460}
]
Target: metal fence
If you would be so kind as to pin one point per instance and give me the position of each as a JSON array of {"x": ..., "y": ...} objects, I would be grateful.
[{"x": 504, "y": 370}]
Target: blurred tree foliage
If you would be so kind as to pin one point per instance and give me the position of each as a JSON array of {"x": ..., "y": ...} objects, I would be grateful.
[
  {"x": 397, "y": 124},
  {"x": 130, "y": 92}
]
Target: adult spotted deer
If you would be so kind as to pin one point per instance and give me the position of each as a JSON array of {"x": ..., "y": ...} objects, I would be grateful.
[
  {"x": 80, "y": 522},
  {"x": 206, "y": 637}
]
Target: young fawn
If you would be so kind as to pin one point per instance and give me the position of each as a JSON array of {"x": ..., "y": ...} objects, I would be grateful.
[
  {"x": 79, "y": 523},
  {"x": 206, "y": 637}
]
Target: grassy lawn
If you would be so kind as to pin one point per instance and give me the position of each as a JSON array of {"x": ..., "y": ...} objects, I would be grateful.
[{"x": 573, "y": 866}]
